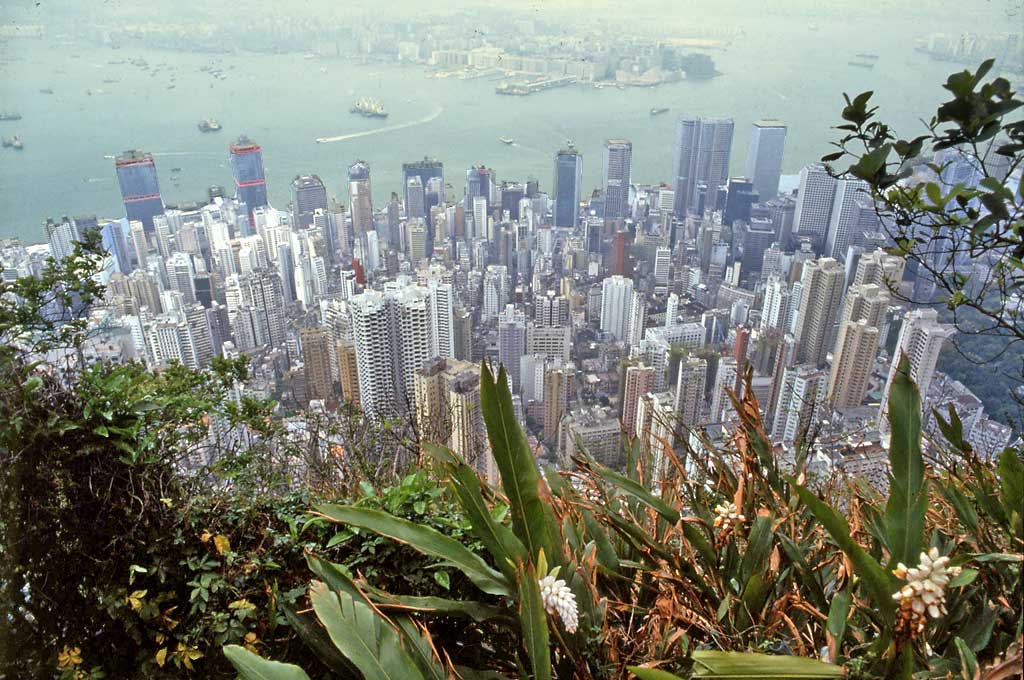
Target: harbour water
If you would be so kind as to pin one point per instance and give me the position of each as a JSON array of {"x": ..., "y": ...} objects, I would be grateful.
[{"x": 102, "y": 104}]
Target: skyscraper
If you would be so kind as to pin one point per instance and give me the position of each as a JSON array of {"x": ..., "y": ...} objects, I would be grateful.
[
  {"x": 247, "y": 169},
  {"x": 851, "y": 213},
  {"x": 568, "y": 185},
  {"x": 616, "y": 306},
  {"x": 814, "y": 204},
  {"x": 316, "y": 360},
  {"x": 415, "y": 199},
  {"x": 639, "y": 380},
  {"x": 764, "y": 157},
  {"x": 921, "y": 339},
  {"x": 701, "y": 154},
  {"x": 618, "y": 159},
  {"x": 479, "y": 182},
  {"x": 863, "y": 315},
  {"x": 140, "y": 189},
  {"x": 360, "y": 199},
  {"x": 800, "y": 399},
  {"x": 821, "y": 291},
  {"x": 373, "y": 330},
  {"x": 414, "y": 335},
  {"x": 690, "y": 384},
  {"x": 512, "y": 342},
  {"x": 426, "y": 169},
  {"x": 308, "y": 195}
]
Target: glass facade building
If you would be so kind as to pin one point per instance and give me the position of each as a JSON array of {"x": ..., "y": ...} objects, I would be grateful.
[
  {"x": 568, "y": 180},
  {"x": 247, "y": 169},
  {"x": 140, "y": 190}
]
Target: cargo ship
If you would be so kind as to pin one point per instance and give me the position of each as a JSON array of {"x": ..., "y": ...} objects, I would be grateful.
[
  {"x": 658, "y": 110},
  {"x": 13, "y": 142},
  {"x": 6, "y": 115},
  {"x": 209, "y": 125},
  {"x": 369, "y": 108}
]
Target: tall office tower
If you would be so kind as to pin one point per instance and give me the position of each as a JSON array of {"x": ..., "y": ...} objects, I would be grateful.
[
  {"x": 308, "y": 195},
  {"x": 637, "y": 319},
  {"x": 375, "y": 347},
  {"x": 112, "y": 234},
  {"x": 568, "y": 185},
  {"x": 512, "y": 194},
  {"x": 360, "y": 199},
  {"x": 427, "y": 170},
  {"x": 247, "y": 169},
  {"x": 860, "y": 324},
  {"x": 415, "y": 206},
  {"x": 880, "y": 268},
  {"x": 754, "y": 238},
  {"x": 416, "y": 240},
  {"x": 481, "y": 219},
  {"x": 348, "y": 372},
  {"x": 62, "y": 237},
  {"x": 511, "y": 342},
  {"x": 814, "y": 204},
  {"x": 639, "y": 381},
  {"x": 442, "y": 302},
  {"x": 671, "y": 310},
  {"x": 701, "y": 154},
  {"x": 739, "y": 197},
  {"x": 821, "y": 292},
  {"x": 921, "y": 339},
  {"x": 690, "y": 388},
  {"x": 200, "y": 334},
  {"x": 618, "y": 159},
  {"x": 800, "y": 401},
  {"x": 316, "y": 359},
  {"x": 261, "y": 291},
  {"x": 180, "y": 275},
  {"x": 556, "y": 399},
  {"x": 140, "y": 189},
  {"x": 848, "y": 215},
  {"x": 496, "y": 289},
  {"x": 764, "y": 157},
  {"x": 479, "y": 182},
  {"x": 462, "y": 323},
  {"x": 662, "y": 270},
  {"x": 414, "y": 335},
  {"x": 616, "y": 306},
  {"x": 550, "y": 309},
  {"x": 725, "y": 379}
]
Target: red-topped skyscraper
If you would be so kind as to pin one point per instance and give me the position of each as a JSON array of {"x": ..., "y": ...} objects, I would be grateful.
[{"x": 247, "y": 169}]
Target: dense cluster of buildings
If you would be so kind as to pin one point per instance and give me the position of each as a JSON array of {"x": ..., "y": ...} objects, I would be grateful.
[{"x": 635, "y": 310}]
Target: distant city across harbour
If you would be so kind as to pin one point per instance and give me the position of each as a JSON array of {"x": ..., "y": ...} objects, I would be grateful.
[{"x": 287, "y": 103}]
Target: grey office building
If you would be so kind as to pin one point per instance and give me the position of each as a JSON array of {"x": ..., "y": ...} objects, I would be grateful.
[
  {"x": 308, "y": 195},
  {"x": 568, "y": 183},
  {"x": 702, "y": 148},
  {"x": 764, "y": 157},
  {"x": 618, "y": 157}
]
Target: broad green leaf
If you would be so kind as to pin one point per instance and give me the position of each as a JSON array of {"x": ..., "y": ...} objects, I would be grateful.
[
  {"x": 741, "y": 665},
  {"x": 1011, "y": 479},
  {"x": 759, "y": 544},
  {"x": 905, "y": 510},
  {"x": 532, "y": 518},
  {"x": 362, "y": 636},
  {"x": 652, "y": 674},
  {"x": 837, "y": 613},
  {"x": 534, "y": 623},
  {"x": 878, "y": 583},
  {"x": 968, "y": 662},
  {"x": 316, "y": 638},
  {"x": 254, "y": 667},
  {"x": 425, "y": 539}
]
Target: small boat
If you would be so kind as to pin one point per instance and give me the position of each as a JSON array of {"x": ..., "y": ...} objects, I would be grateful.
[
  {"x": 209, "y": 125},
  {"x": 506, "y": 140},
  {"x": 46, "y": 90},
  {"x": 862, "y": 64},
  {"x": 659, "y": 110},
  {"x": 9, "y": 116},
  {"x": 13, "y": 143},
  {"x": 175, "y": 169},
  {"x": 867, "y": 55}
]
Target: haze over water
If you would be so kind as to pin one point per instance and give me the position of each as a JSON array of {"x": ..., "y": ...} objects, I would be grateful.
[{"x": 777, "y": 68}]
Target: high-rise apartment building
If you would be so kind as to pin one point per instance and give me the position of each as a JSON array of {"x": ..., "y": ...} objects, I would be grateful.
[
  {"x": 375, "y": 347},
  {"x": 814, "y": 204},
  {"x": 316, "y": 362},
  {"x": 921, "y": 340},
  {"x": 140, "y": 189},
  {"x": 690, "y": 387},
  {"x": 550, "y": 309},
  {"x": 618, "y": 159},
  {"x": 725, "y": 380},
  {"x": 764, "y": 157},
  {"x": 701, "y": 152},
  {"x": 821, "y": 291},
  {"x": 639, "y": 380},
  {"x": 860, "y": 324},
  {"x": 568, "y": 188},
  {"x": 511, "y": 342},
  {"x": 801, "y": 399}
]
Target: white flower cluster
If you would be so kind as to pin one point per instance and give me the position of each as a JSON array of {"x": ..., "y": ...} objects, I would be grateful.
[
  {"x": 559, "y": 599},
  {"x": 728, "y": 516},
  {"x": 925, "y": 590}
]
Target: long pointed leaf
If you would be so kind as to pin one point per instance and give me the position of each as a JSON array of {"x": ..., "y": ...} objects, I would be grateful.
[
  {"x": 904, "y": 512},
  {"x": 532, "y": 518},
  {"x": 637, "y": 491},
  {"x": 746, "y": 666},
  {"x": 254, "y": 667},
  {"x": 534, "y": 623},
  {"x": 426, "y": 540}
]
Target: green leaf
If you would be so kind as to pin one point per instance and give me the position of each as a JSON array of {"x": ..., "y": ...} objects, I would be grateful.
[
  {"x": 878, "y": 583},
  {"x": 737, "y": 665},
  {"x": 1011, "y": 479},
  {"x": 759, "y": 544},
  {"x": 442, "y": 579},
  {"x": 424, "y": 539},
  {"x": 968, "y": 662},
  {"x": 652, "y": 674},
  {"x": 316, "y": 638},
  {"x": 362, "y": 636},
  {"x": 532, "y": 518},
  {"x": 534, "y": 622},
  {"x": 837, "y": 613},
  {"x": 253, "y": 667},
  {"x": 964, "y": 578},
  {"x": 905, "y": 510}
]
